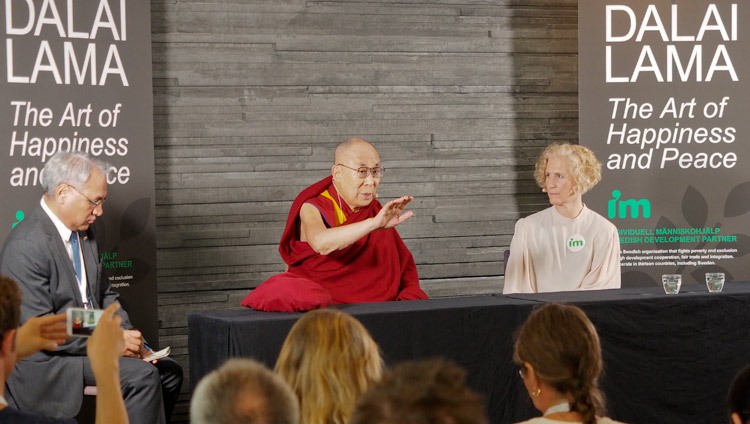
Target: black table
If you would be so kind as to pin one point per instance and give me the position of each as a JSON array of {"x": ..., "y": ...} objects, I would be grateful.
[{"x": 668, "y": 359}]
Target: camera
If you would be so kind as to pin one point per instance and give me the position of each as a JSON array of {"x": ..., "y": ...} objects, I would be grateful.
[{"x": 82, "y": 322}]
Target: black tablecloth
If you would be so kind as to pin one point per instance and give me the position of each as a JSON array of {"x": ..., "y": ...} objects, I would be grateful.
[{"x": 668, "y": 358}]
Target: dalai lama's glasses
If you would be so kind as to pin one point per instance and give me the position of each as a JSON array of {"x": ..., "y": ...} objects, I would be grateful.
[{"x": 363, "y": 171}]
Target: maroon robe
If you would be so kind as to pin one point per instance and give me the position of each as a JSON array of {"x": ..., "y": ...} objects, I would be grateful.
[{"x": 378, "y": 267}]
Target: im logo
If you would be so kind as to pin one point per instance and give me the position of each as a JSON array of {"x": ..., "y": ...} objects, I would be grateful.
[
  {"x": 619, "y": 208},
  {"x": 576, "y": 242}
]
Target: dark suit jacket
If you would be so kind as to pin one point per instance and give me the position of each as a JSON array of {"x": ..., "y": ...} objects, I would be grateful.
[{"x": 51, "y": 383}]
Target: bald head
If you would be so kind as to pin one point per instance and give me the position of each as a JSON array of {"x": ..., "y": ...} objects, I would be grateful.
[{"x": 344, "y": 148}]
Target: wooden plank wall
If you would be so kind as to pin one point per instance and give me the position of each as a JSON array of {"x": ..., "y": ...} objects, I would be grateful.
[{"x": 251, "y": 97}]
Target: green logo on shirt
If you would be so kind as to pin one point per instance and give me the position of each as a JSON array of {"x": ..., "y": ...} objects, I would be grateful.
[{"x": 576, "y": 242}]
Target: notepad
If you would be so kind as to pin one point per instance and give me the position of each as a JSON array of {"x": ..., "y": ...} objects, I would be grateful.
[{"x": 158, "y": 354}]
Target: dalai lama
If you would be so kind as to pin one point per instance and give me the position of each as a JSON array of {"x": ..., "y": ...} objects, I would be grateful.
[{"x": 340, "y": 244}]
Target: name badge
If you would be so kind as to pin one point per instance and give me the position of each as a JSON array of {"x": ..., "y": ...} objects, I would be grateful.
[{"x": 576, "y": 243}]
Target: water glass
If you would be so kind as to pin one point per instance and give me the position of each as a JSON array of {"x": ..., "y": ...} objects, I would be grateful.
[
  {"x": 715, "y": 281},
  {"x": 671, "y": 283}
]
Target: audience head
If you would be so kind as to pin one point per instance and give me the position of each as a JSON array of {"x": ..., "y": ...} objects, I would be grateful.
[
  {"x": 582, "y": 166},
  {"x": 329, "y": 360},
  {"x": 739, "y": 397},
  {"x": 424, "y": 392},
  {"x": 75, "y": 187},
  {"x": 10, "y": 318},
  {"x": 560, "y": 357},
  {"x": 243, "y": 391},
  {"x": 353, "y": 164}
]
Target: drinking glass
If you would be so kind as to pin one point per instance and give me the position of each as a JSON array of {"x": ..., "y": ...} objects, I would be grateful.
[
  {"x": 671, "y": 283},
  {"x": 715, "y": 281}
]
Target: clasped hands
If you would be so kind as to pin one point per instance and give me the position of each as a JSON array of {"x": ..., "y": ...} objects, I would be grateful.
[{"x": 392, "y": 213}]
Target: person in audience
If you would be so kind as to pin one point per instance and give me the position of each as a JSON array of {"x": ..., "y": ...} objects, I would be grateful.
[
  {"x": 560, "y": 360},
  {"x": 340, "y": 244},
  {"x": 243, "y": 391},
  {"x": 54, "y": 256},
  {"x": 431, "y": 391},
  {"x": 566, "y": 246},
  {"x": 739, "y": 397},
  {"x": 48, "y": 332},
  {"x": 329, "y": 360}
]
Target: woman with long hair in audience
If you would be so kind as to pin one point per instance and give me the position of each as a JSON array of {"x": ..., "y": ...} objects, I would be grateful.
[
  {"x": 739, "y": 397},
  {"x": 329, "y": 359},
  {"x": 560, "y": 357}
]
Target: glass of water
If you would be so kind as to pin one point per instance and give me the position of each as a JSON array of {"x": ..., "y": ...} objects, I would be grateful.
[
  {"x": 715, "y": 281},
  {"x": 671, "y": 283}
]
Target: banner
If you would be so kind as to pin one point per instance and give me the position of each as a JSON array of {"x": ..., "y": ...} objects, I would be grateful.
[
  {"x": 664, "y": 94},
  {"x": 77, "y": 76}
]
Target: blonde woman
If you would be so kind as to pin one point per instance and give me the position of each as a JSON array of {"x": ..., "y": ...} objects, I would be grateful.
[
  {"x": 560, "y": 357},
  {"x": 329, "y": 360},
  {"x": 566, "y": 246}
]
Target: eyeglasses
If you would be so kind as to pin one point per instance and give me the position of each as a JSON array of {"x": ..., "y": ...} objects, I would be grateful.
[
  {"x": 363, "y": 171},
  {"x": 93, "y": 203},
  {"x": 522, "y": 372}
]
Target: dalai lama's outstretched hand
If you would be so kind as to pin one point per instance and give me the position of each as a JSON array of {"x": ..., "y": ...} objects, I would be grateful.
[
  {"x": 393, "y": 213},
  {"x": 324, "y": 240}
]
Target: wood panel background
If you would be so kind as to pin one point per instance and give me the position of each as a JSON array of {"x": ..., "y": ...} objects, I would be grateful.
[{"x": 251, "y": 97}]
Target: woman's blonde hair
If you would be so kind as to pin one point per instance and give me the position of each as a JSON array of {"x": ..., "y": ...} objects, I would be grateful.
[
  {"x": 562, "y": 345},
  {"x": 585, "y": 169},
  {"x": 329, "y": 359}
]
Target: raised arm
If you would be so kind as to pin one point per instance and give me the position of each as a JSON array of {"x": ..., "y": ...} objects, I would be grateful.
[
  {"x": 103, "y": 350},
  {"x": 40, "y": 333},
  {"x": 325, "y": 240}
]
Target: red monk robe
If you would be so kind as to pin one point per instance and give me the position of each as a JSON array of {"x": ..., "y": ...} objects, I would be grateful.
[{"x": 376, "y": 268}]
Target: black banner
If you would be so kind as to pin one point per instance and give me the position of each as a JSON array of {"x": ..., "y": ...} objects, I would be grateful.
[
  {"x": 77, "y": 76},
  {"x": 664, "y": 96}
]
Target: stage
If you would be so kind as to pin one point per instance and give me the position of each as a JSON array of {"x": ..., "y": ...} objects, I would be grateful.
[{"x": 668, "y": 358}]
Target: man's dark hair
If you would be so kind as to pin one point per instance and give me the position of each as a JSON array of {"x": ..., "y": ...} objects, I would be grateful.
[
  {"x": 422, "y": 392},
  {"x": 10, "y": 305}
]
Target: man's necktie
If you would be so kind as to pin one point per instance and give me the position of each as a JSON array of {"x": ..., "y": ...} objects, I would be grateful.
[{"x": 76, "y": 254}]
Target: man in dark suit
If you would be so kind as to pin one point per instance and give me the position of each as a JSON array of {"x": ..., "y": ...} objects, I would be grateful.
[{"x": 54, "y": 256}]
